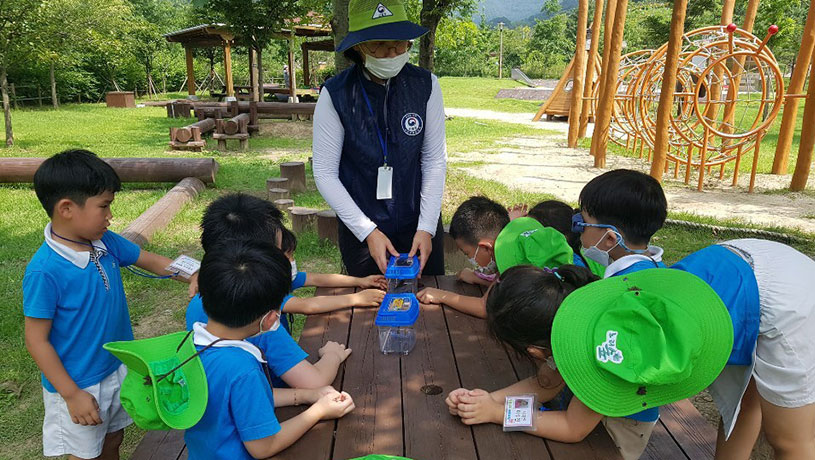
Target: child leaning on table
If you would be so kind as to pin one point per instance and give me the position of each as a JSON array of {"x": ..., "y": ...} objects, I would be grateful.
[
  {"x": 374, "y": 287},
  {"x": 619, "y": 344},
  {"x": 245, "y": 217},
  {"x": 74, "y": 301},
  {"x": 769, "y": 380},
  {"x": 242, "y": 283}
]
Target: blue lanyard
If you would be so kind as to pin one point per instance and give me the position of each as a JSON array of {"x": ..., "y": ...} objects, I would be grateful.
[{"x": 382, "y": 142}]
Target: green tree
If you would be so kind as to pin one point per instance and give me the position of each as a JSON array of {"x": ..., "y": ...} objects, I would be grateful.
[{"x": 431, "y": 14}]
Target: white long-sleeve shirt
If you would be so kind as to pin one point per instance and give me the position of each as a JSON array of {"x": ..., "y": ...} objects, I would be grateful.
[{"x": 329, "y": 135}]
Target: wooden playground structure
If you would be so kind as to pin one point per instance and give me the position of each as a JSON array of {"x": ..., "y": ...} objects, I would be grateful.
[{"x": 705, "y": 99}]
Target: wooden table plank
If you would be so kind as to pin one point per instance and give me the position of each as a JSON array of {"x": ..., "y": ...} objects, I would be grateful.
[
  {"x": 148, "y": 447},
  {"x": 430, "y": 432},
  {"x": 317, "y": 443},
  {"x": 688, "y": 427},
  {"x": 662, "y": 445},
  {"x": 483, "y": 363},
  {"x": 374, "y": 381}
]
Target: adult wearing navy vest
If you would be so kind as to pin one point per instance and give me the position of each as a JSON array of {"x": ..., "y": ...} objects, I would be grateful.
[{"x": 379, "y": 150}]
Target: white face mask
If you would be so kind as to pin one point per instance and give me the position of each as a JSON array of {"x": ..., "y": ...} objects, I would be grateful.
[
  {"x": 386, "y": 68},
  {"x": 598, "y": 255},
  {"x": 274, "y": 327},
  {"x": 293, "y": 269},
  {"x": 488, "y": 272}
]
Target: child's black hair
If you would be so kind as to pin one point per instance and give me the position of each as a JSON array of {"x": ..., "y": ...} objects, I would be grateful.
[
  {"x": 522, "y": 305},
  {"x": 629, "y": 200},
  {"x": 73, "y": 174},
  {"x": 239, "y": 216},
  {"x": 558, "y": 215},
  {"x": 242, "y": 280},
  {"x": 478, "y": 217},
  {"x": 288, "y": 241}
]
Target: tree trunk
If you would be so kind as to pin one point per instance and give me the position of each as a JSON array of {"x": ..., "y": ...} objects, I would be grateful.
[
  {"x": 6, "y": 107},
  {"x": 54, "y": 99},
  {"x": 340, "y": 26},
  {"x": 427, "y": 43},
  {"x": 259, "y": 56}
]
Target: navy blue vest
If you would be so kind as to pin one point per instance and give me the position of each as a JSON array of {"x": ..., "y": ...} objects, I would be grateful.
[{"x": 400, "y": 111}]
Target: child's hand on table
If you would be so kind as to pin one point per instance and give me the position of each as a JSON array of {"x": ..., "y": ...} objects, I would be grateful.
[
  {"x": 431, "y": 295},
  {"x": 338, "y": 349},
  {"x": 477, "y": 406},
  {"x": 314, "y": 395},
  {"x": 453, "y": 400},
  {"x": 334, "y": 405},
  {"x": 369, "y": 298},
  {"x": 83, "y": 408},
  {"x": 517, "y": 210},
  {"x": 373, "y": 282},
  {"x": 468, "y": 276}
]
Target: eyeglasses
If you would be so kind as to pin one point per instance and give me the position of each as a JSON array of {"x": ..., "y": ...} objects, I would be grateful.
[
  {"x": 381, "y": 49},
  {"x": 579, "y": 225}
]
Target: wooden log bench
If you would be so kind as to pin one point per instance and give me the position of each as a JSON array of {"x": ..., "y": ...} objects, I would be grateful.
[
  {"x": 400, "y": 406},
  {"x": 235, "y": 128},
  {"x": 190, "y": 137}
]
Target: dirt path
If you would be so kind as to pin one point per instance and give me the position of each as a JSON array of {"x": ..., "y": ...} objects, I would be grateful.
[
  {"x": 507, "y": 117},
  {"x": 549, "y": 167}
]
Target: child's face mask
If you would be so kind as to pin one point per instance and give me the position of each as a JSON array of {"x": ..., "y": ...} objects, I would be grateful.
[
  {"x": 598, "y": 255},
  {"x": 488, "y": 272},
  {"x": 274, "y": 327}
]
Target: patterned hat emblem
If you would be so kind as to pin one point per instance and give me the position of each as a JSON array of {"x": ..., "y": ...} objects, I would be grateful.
[{"x": 381, "y": 11}]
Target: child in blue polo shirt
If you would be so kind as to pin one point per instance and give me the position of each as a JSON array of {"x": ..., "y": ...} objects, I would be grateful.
[
  {"x": 245, "y": 217},
  {"x": 74, "y": 301},
  {"x": 619, "y": 213},
  {"x": 373, "y": 288},
  {"x": 769, "y": 380},
  {"x": 241, "y": 283}
]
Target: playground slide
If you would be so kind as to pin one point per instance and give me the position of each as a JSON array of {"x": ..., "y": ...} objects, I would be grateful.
[{"x": 518, "y": 75}]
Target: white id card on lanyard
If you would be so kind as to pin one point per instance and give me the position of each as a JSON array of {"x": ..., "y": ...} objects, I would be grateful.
[{"x": 384, "y": 183}]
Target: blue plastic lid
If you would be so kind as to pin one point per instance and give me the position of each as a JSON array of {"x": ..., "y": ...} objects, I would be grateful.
[
  {"x": 403, "y": 267},
  {"x": 398, "y": 310}
]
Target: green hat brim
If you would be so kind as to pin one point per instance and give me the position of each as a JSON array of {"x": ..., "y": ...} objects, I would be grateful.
[
  {"x": 544, "y": 248},
  {"x": 607, "y": 394},
  {"x": 402, "y": 30},
  {"x": 142, "y": 358}
]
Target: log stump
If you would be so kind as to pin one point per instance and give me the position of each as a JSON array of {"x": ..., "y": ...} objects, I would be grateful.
[
  {"x": 302, "y": 219},
  {"x": 278, "y": 194},
  {"x": 284, "y": 204},
  {"x": 277, "y": 182},
  {"x": 295, "y": 172},
  {"x": 327, "y": 225}
]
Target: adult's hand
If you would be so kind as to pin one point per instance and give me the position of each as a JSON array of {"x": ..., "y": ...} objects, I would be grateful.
[
  {"x": 423, "y": 244},
  {"x": 380, "y": 248}
]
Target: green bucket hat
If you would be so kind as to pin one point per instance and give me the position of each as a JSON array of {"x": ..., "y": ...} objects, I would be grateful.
[
  {"x": 629, "y": 343},
  {"x": 525, "y": 241},
  {"x": 370, "y": 20},
  {"x": 155, "y": 401}
]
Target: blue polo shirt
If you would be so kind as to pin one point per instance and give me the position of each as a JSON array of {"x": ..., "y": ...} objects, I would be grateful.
[
  {"x": 735, "y": 282},
  {"x": 298, "y": 282},
  {"x": 86, "y": 304},
  {"x": 240, "y": 406},
  {"x": 282, "y": 352}
]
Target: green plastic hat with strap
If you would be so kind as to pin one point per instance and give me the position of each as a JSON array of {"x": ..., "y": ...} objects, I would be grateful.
[
  {"x": 378, "y": 20},
  {"x": 525, "y": 241},
  {"x": 629, "y": 343},
  {"x": 165, "y": 387}
]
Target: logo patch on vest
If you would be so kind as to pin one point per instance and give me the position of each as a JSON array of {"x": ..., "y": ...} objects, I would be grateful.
[
  {"x": 381, "y": 11},
  {"x": 412, "y": 124},
  {"x": 607, "y": 351}
]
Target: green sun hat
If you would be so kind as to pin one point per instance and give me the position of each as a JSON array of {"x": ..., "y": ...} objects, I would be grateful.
[
  {"x": 633, "y": 342},
  {"x": 153, "y": 401},
  {"x": 525, "y": 241},
  {"x": 371, "y": 20}
]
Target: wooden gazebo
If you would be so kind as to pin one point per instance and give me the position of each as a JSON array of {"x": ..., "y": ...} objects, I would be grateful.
[{"x": 219, "y": 35}]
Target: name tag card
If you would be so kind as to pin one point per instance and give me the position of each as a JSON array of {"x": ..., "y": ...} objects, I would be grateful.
[
  {"x": 185, "y": 266},
  {"x": 518, "y": 413},
  {"x": 384, "y": 183}
]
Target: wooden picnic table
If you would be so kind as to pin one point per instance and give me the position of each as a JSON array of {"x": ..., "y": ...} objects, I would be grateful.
[{"x": 400, "y": 406}]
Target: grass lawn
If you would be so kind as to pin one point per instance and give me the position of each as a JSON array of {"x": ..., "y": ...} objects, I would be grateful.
[
  {"x": 479, "y": 93},
  {"x": 158, "y": 307}
]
